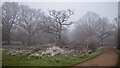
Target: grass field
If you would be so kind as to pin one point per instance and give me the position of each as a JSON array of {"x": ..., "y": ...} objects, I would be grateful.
[{"x": 61, "y": 60}]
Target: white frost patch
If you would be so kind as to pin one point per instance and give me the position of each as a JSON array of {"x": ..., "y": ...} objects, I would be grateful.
[{"x": 53, "y": 51}]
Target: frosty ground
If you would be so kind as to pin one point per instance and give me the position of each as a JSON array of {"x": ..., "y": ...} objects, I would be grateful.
[{"x": 44, "y": 57}]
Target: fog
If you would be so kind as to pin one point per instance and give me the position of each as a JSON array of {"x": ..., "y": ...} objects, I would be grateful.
[
  {"x": 104, "y": 9},
  {"x": 61, "y": 32},
  {"x": 37, "y": 23}
]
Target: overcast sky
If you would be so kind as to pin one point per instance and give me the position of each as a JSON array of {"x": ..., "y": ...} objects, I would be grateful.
[{"x": 104, "y": 9}]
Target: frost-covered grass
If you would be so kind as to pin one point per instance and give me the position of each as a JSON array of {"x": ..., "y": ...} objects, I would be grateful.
[{"x": 66, "y": 59}]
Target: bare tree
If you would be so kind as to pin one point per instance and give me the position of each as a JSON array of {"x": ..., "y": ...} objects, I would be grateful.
[
  {"x": 85, "y": 27},
  {"x": 56, "y": 23},
  {"x": 1, "y": 30},
  {"x": 9, "y": 15},
  {"x": 28, "y": 21},
  {"x": 103, "y": 29},
  {"x": 118, "y": 26},
  {"x": 92, "y": 25}
]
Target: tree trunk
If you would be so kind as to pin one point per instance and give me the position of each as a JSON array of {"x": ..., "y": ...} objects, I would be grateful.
[
  {"x": 101, "y": 42},
  {"x": 58, "y": 36},
  {"x": 118, "y": 21},
  {"x": 60, "y": 41},
  {"x": 119, "y": 38},
  {"x": 56, "y": 39},
  {"x": 8, "y": 38},
  {"x": 29, "y": 41}
]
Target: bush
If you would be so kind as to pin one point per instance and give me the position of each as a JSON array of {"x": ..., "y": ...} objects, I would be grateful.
[{"x": 92, "y": 43}]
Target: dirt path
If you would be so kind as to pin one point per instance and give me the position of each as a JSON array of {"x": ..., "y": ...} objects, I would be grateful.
[{"x": 108, "y": 58}]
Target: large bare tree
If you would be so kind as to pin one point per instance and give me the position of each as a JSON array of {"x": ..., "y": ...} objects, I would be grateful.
[
  {"x": 9, "y": 15},
  {"x": 28, "y": 21},
  {"x": 56, "y": 23}
]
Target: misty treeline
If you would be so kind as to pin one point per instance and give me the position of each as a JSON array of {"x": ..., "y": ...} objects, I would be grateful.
[
  {"x": 28, "y": 26},
  {"x": 118, "y": 22}
]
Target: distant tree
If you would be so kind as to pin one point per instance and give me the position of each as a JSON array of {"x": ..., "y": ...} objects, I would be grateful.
[
  {"x": 9, "y": 15},
  {"x": 56, "y": 23},
  {"x": 85, "y": 27},
  {"x": 91, "y": 24},
  {"x": 103, "y": 29}
]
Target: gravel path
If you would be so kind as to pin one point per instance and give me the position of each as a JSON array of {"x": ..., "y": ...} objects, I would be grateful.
[{"x": 107, "y": 58}]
